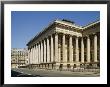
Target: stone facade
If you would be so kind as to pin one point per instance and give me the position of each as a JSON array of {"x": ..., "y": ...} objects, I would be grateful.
[
  {"x": 64, "y": 45},
  {"x": 19, "y": 57}
]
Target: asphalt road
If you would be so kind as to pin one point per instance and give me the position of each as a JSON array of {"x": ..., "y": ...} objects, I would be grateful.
[
  {"x": 50, "y": 73},
  {"x": 15, "y": 73}
]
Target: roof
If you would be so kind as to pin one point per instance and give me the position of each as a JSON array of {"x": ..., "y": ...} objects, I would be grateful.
[
  {"x": 18, "y": 49},
  {"x": 91, "y": 24},
  {"x": 66, "y": 22}
]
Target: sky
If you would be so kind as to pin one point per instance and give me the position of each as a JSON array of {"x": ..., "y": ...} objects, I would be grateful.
[{"x": 26, "y": 24}]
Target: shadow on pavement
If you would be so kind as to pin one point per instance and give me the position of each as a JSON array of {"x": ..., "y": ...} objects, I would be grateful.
[{"x": 18, "y": 74}]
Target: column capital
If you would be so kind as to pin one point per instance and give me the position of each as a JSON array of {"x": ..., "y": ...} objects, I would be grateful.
[
  {"x": 29, "y": 48},
  {"x": 39, "y": 42},
  {"x": 87, "y": 36},
  {"x": 76, "y": 36},
  {"x": 42, "y": 41},
  {"x": 95, "y": 34},
  {"x": 56, "y": 33},
  {"x": 36, "y": 44},
  {"x": 82, "y": 37},
  {"x": 45, "y": 39},
  {"x": 33, "y": 46},
  {"x": 70, "y": 35},
  {"x": 64, "y": 34}
]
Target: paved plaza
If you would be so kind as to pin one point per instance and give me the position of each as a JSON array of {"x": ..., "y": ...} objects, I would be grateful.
[{"x": 55, "y": 73}]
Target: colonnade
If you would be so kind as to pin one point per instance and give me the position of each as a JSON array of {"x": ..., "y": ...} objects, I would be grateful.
[{"x": 46, "y": 50}]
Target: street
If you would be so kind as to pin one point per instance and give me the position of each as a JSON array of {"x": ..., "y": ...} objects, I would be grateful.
[
  {"x": 24, "y": 72},
  {"x": 21, "y": 74}
]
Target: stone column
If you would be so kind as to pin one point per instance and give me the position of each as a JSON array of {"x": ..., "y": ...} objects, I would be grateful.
[
  {"x": 82, "y": 50},
  {"x": 44, "y": 51},
  {"x": 36, "y": 54},
  {"x": 59, "y": 54},
  {"x": 48, "y": 51},
  {"x": 56, "y": 47},
  {"x": 41, "y": 52},
  {"x": 51, "y": 49},
  {"x": 32, "y": 54},
  {"x": 63, "y": 45},
  {"x": 88, "y": 49},
  {"x": 29, "y": 51},
  {"x": 77, "y": 50},
  {"x": 95, "y": 48},
  {"x": 70, "y": 49}
]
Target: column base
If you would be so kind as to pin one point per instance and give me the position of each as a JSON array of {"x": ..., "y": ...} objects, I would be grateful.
[
  {"x": 46, "y": 66},
  {"x": 57, "y": 67},
  {"x": 50, "y": 66},
  {"x": 43, "y": 66},
  {"x": 95, "y": 66}
]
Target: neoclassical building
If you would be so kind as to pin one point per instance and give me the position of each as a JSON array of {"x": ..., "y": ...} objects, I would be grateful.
[
  {"x": 64, "y": 45},
  {"x": 19, "y": 57}
]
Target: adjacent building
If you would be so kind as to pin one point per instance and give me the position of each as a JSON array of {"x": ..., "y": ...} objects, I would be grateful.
[
  {"x": 19, "y": 57},
  {"x": 65, "y": 45}
]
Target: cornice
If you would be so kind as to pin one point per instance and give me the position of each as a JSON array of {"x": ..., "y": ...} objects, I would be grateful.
[
  {"x": 66, "y": 25},
  {"x": 91, "y": 24}
]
